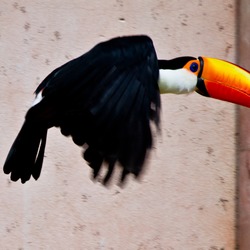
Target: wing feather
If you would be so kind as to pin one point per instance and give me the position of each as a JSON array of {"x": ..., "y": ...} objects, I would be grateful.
[{"x": 106, "y": 99}]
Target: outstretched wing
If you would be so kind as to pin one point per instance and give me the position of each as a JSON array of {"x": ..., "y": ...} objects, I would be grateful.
[{"x": 106, "y": 99}]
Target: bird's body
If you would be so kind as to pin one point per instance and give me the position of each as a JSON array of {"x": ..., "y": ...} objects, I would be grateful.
[
  {"x": 104, "y": 99},
  {"x": 100, "y": 101}
]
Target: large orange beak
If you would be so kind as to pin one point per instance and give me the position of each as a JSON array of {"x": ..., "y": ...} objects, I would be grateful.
[{"x": 224, "y": 81}]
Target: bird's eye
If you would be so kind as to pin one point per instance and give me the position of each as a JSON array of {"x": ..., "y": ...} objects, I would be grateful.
[{"x": 194, "y": 67}]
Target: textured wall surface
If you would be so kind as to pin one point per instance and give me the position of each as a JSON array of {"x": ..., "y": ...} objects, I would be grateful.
[
  {"x": 186, "y": 199},
  {"x": 244, "y": 137}
]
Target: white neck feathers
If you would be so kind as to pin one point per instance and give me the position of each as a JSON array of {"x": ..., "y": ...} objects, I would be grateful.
[{"x": 179, "y": 81}]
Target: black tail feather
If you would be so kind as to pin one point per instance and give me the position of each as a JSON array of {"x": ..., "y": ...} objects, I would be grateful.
[
  {"x": 39, "y": 160},
  {"x": 25, "y": 157}
]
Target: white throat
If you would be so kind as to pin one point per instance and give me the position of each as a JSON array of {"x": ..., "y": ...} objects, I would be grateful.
[{"x": 179, "y": 81}]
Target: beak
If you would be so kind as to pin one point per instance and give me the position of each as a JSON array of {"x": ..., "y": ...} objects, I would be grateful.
[{"x": 224, "y": 81}]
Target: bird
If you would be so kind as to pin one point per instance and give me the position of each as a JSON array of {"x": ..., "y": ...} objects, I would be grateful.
[{"x": 108, "y": 99}]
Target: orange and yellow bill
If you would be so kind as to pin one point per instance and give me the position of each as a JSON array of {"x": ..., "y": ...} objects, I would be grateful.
[{"x": 224, "y": 81}]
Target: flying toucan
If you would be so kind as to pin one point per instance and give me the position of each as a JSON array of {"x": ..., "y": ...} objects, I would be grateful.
[{"x": 107, "y": 98}]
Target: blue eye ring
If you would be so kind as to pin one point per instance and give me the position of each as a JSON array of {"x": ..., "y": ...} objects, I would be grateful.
[{"x": 194, "y": 67}]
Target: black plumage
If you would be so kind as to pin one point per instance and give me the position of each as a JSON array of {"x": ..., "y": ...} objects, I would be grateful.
[{"x": 104, "y": 99}]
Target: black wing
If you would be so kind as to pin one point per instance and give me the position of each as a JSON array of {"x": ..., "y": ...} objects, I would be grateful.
[{"x": 106, "y": 99}]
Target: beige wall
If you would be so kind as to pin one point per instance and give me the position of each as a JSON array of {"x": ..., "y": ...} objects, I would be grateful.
[
  {"x": 186, "y": 199},
  {"x": 244, "y": 136}
]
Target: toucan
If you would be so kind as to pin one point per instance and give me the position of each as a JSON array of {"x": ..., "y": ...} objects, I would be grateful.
[{"x": 108, "y": 99}]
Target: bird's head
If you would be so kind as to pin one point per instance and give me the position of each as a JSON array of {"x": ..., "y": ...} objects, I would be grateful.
[{"x": 209, "y": 77}]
